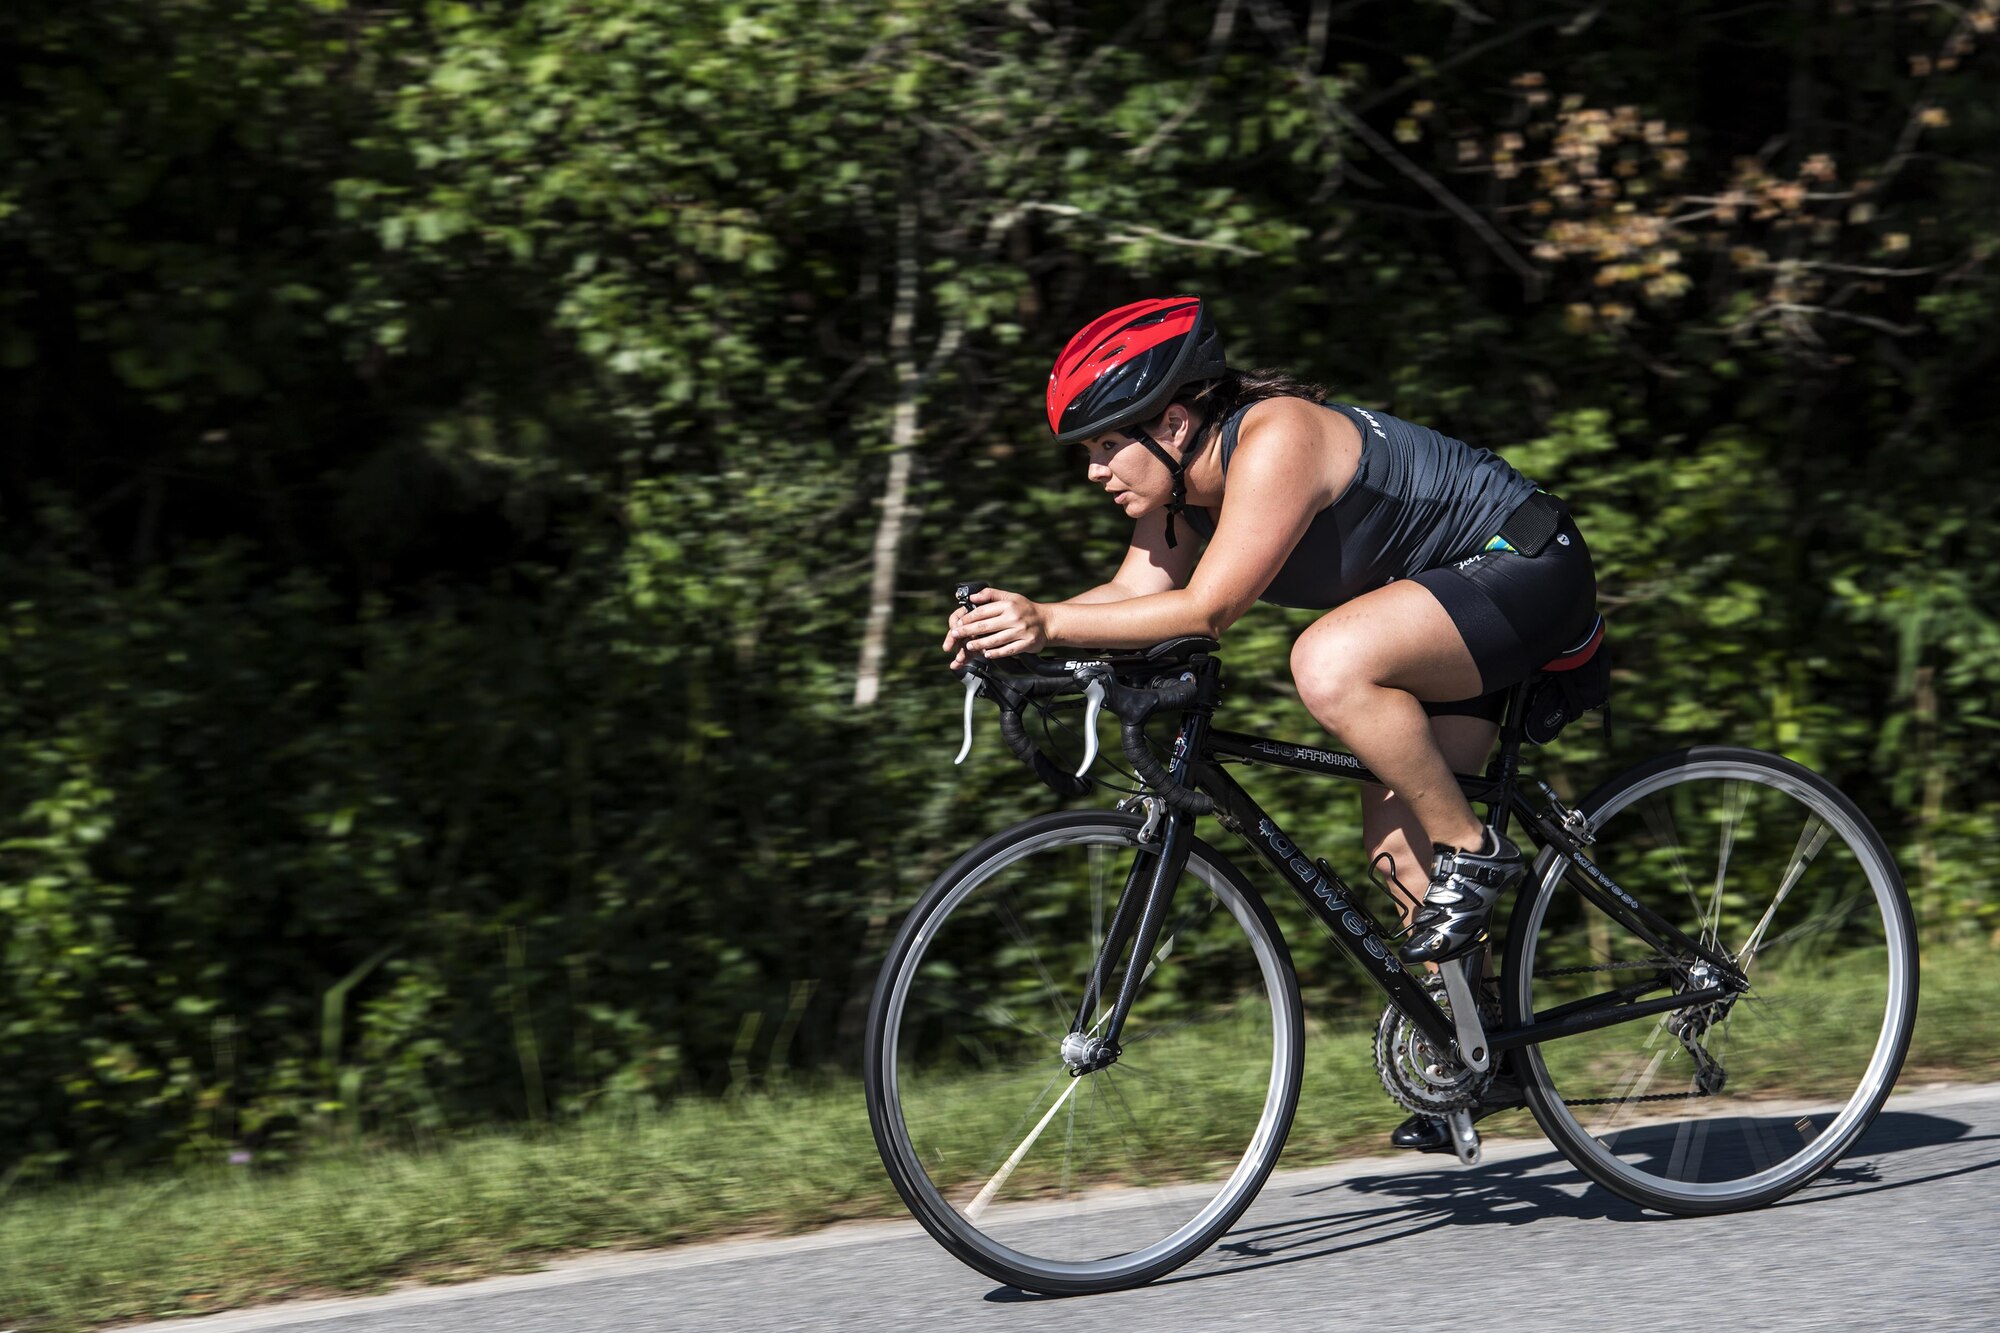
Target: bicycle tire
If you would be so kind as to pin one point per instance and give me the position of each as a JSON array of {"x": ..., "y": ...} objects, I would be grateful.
[
  {"x": 1754, "y": 1099},
  {"x": 954, "y": 1025}
]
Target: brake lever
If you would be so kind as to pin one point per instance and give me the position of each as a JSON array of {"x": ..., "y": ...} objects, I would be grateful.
[
  {"x": 1093, "y": 704},
  {"x": 962, "y": 594},
  {"x": 974, "y": 687}
]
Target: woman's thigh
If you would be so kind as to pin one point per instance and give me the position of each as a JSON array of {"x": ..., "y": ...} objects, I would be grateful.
[{"x": 1399, "y": 636}]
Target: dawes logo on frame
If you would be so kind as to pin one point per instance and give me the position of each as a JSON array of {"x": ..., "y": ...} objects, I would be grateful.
[{"x": 1350, "y": 920}]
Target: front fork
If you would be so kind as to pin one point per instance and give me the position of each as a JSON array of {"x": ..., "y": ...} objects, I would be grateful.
[{"x": 1141, "y": 913}]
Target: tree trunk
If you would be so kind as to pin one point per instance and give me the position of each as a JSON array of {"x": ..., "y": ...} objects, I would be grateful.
[
  {"x": 888, "y": 540},
  {"x": 902, "y": 438}
]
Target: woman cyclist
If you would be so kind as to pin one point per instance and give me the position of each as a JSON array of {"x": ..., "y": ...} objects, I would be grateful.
[{"x": 1445, "y": 575}]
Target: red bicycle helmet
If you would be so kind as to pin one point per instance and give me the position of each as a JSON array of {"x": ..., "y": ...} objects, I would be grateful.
[{"x": 1124, "y": 367}]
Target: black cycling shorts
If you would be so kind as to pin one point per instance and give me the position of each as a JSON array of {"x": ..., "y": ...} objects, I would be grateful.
[{"x": 1515, "y": 613}]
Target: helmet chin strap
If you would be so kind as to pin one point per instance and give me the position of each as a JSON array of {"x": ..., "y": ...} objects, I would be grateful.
[{"x": 1177, "y": 468}]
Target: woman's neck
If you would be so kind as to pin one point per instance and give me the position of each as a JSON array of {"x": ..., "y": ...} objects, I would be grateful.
[{"x": 1204, "y": 472}]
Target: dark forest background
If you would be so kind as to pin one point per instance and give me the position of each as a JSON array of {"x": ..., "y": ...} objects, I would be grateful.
[{"x": 481, "y": 481}]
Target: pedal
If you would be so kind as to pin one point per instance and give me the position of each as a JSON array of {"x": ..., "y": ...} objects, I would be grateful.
[
  {"x": 1464, "y": 1137},
  {"x": 1471, "y": 1031}
]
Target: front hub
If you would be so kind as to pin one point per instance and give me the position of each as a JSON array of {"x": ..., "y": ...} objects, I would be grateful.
[{"x": 1085, "y": 1054}]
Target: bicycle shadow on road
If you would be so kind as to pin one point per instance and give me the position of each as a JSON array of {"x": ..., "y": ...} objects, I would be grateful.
[
  {"x": 1509, "y": 1191},
  {"x": 1733, "y": 1147},
  {"x": 1860, "y": 1172},
  {"x": 1534, "y": 1187}
]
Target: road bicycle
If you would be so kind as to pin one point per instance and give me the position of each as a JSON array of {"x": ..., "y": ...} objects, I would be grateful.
[{"x": 1086, "y": 1044}]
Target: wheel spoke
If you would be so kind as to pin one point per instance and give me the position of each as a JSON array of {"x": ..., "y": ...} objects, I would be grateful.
[
  {"x": 1139, "y": 1157},
  {"x": 1736, "y": 798},
  {"x": 993, "y": 1012},
  {"x": 1659, "y": 819},
  {"x": 1006, "y": 912},
  {"x": 1635, "y": 1086},
  {"x": 992, "y": 1187},
  {"x": 1815, "y": 925},
  {"x": 1811, "y": 839},
  {"x": 1690, "y": 1141}
]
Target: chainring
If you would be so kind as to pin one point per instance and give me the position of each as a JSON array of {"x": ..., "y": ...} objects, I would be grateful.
[{"x": 1419, "y": 1078}]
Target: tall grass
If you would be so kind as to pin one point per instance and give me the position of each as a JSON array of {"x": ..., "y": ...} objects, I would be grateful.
[{"x": 76, "y": 1256}]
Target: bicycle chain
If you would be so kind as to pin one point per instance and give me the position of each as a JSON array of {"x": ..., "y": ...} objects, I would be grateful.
[
  {"x": 1619, "y": 1101},
  {"x": 1628, "y": 1101},
  {"x": 1473, "y": 1095}
]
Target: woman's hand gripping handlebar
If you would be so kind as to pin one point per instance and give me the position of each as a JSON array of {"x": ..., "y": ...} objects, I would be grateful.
[{"x": 1098, "y": 682}]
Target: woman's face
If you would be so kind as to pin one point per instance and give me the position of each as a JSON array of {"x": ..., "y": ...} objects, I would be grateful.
[
  {"x": 1127, "y": 471},
  {"x": 1130, "y": 473}
]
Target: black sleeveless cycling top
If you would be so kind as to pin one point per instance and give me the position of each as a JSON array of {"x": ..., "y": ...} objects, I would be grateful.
[{"x": 1419, "y": 500}]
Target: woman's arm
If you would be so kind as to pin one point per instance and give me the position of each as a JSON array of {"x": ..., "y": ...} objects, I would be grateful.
[
  {"x": 1287, "y": 467},
  {"x": 1150, "y": 566},
  {"x": 1275, "y": 488}
]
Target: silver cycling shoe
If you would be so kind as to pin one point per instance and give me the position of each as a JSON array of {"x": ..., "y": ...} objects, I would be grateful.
[{"x": 1464, "y": 887}]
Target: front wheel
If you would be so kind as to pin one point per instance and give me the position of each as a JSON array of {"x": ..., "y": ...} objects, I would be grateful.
[
  {"x": 1736, "y": 1103},
  {"x": 1062, "y": 1183}
]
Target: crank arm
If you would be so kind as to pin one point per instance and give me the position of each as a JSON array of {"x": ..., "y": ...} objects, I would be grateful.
[
  {"x": 1464, "y": 1138},
  {"x": 1472, "y": 1051}
]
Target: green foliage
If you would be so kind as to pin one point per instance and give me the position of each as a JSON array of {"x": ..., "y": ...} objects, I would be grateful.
[{"x": 445, "y": 447}]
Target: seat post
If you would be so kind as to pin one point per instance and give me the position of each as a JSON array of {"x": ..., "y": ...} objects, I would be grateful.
[
  {"x": 1512, "y": 730},
  {"x": 1505, "y": 766}
]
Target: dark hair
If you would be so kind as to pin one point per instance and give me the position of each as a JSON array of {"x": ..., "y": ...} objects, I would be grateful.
[{"x": 1214, "y": 400}]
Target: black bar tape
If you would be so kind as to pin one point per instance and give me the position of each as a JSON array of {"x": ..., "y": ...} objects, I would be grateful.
[{"x": 1016, "y": 736}]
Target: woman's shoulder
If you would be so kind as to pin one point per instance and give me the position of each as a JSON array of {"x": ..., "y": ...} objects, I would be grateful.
[
  {"x": 1296, "y": 423},
  {"x": 1299, "y": 435}
]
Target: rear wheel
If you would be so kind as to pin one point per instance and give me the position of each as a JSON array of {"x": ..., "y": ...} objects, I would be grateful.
[
  {"x": 1736, "y": 1103},
  {"x": 1065, "y": 1183}
]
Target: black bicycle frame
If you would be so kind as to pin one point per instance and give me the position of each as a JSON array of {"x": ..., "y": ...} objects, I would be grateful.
[
  {"x": 1160, "y": 869},
  {"x": 1199, "y": 754}
]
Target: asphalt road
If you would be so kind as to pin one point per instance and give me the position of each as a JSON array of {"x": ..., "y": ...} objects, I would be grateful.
[{"x": 1901, "y": 1234}]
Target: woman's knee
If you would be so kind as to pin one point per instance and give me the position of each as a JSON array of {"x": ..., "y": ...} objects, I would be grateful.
[{"x": 1329, "y": 673}]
